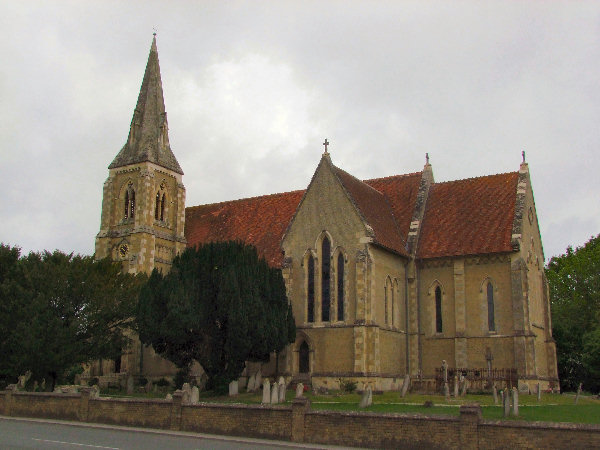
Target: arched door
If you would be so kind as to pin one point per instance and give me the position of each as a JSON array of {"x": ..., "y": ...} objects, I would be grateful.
[{"x": 304, "y": 358}]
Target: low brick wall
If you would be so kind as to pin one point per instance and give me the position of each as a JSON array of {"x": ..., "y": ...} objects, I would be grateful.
[{"x": 299, "y": 423}]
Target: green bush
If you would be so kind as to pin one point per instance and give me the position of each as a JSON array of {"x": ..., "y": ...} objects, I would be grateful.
[{"x": 348, "y": 386}]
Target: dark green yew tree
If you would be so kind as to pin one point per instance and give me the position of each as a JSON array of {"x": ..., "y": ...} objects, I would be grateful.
[
  {"x": 58, "y": 311},
  {"x": 219, "y": 305},
  {"x": 574, "y": 280}
]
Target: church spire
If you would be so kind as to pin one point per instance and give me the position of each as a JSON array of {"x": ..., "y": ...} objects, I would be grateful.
[{"x": 149, "y": 132}]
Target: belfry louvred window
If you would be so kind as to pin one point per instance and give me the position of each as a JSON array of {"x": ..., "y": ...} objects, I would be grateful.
[
  {"x": 129, "y": 203},
  {"x": 157, "y": 206},
  {"x": 325, "y": 279}
]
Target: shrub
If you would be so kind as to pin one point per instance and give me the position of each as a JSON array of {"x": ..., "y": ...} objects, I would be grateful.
[
  {"x": 163, "y": 382},
  {"x": 348, "y": 386}
]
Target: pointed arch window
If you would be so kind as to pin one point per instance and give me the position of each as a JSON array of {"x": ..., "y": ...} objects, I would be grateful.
[
  {"x": 490, "y": 306},
  {"x": 129, "y": 202},
  {"x": 392, "y": 289},
  {"x": 438, "y": 309},
  {"x": 310, "y": 290},
  {"x": 340, "y": 286},
  {"x": 162, "y": 207},
  {"x": 157, "y": 206},
  {"x": 325, "y": 279}
]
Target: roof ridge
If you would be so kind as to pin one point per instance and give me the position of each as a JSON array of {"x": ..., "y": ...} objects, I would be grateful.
[
  {"x": 404, "y": 175},
  {"x": 476, "y": 178},
  {"x": 247, "y": 198}
]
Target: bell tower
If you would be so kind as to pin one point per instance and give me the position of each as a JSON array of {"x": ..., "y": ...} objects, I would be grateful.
[{"x": 143, "y": 206}]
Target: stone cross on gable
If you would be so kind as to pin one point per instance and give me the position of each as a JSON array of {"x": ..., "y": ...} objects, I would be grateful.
[{"x": 326, "y": 143}]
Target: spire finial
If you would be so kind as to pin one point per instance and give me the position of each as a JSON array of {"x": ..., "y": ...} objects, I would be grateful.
[
  {"x": 426, "y": 158},
  {"x": 326, "y": 143},
  {"x": 523, "y": 155}
]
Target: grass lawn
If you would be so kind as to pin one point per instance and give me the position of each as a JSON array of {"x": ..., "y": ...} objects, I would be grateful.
[{"x": 551, "y": 408}]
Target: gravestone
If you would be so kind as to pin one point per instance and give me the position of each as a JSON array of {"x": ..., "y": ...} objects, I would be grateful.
[
  {"x": 233, "y": 388},
  {"x": 251, "y": 382},
  {"x": 281, "y": 380},
  {"x": 515, "y": 394},
  {"x": 130, "y": 385},
  {"x": 405, "y": 385},
  {"x": 578, "y": 393},
  {"x": 299, "y": 390},
  {"x": 186, "y": 388},
  {"x": 465, "y": 385},
  {"x": 495, "y": 394},
  {"x": 149, "y": 386},
  {"x": 445, "y": 370},
  {"x": 266, "y": 394},
  {"x": 258, "y": 381},
  {"x": 195, "y": 397},
  {"x": 274, "y": 394},
  {"x": 506, "y": 402},
  {"x": 95, "y": 392},
  {"x": 367, "y": 398},
  {"x": 539, "y": 392},
  {"x": 168, "y": 397},
  {"x": 455, "y": 386},
  {"x": 281, "y": 391},
  {"x": 446, "y": 391}
]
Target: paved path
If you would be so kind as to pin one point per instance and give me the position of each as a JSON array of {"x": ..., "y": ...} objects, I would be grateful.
[{"x": 18, "y": 433}]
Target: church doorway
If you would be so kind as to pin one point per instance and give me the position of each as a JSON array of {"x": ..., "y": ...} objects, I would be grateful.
[{"x": 304, "y": 358}]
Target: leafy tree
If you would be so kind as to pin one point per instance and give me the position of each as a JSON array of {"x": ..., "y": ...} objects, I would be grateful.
[
  {"x": 219, "y": 305},
  {"x": 574, "y": 280},
  {"x": 59, "y": 310}
]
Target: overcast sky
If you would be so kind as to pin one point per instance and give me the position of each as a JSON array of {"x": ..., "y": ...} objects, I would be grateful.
[{"x": 253, "y": 88}]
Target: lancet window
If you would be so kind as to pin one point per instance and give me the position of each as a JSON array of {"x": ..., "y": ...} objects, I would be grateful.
[
  {"x": 438, "y": 310},
  {"x": 129, "y": 203},
  {"x": 310, "y": 289},
  {"x": 340, "y": 286},
  {"x": 490, "y": 307},
  {"x": 325, "y": 279}
]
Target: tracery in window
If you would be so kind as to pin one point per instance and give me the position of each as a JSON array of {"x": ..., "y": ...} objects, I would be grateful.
[
  {"x": 340, "y": 286},
  {"x": 325, "y": 279}
]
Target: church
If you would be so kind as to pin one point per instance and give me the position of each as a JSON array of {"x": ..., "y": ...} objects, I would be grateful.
[{"x": 387, "y": 277}]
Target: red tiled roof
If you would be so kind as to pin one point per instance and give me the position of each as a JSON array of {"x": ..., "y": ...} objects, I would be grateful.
[
  {"x": 259, "y": 221},
  {"x": 401, "y": 193},
  {"x": 376, "y": 211},
  {"x": 469, "y": 217}
]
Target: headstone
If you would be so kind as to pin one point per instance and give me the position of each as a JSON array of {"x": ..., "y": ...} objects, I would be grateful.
[
  {"x": 299, "y": 390},
  {"x": 578, "y": 393},
  {"x": 233, "y": 388},
  {"x": 266, "y": 397},
  {"x": 495, "y": 394},
  {"x": 259, "y": 381},
  {"x": 367, "y": 398},
  {"x": 195, "y": 397},
  {"x": 95, "y": 392},
  {"x": 506, "y": 402},
  {"x": 446, "y": 391},
  {"x": 148, "y": 387},
  {"x": 405, "y": 385},
  {"x": 169, "y": 397},
  {"x": 281, "y": 391},
  {"x": 129, "y": 385},
  {"x": 465, "y": 385},
  {"x": 274, "y": 394},
  {"x": 445, "y": 370},
  {"x": 455, "y": 386},
  {"x": 515, "y": 394},
  {"x": 539, "y": 392},
  {"x": 187, "y": 388},
  {"x": 251, "y": 382}
]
